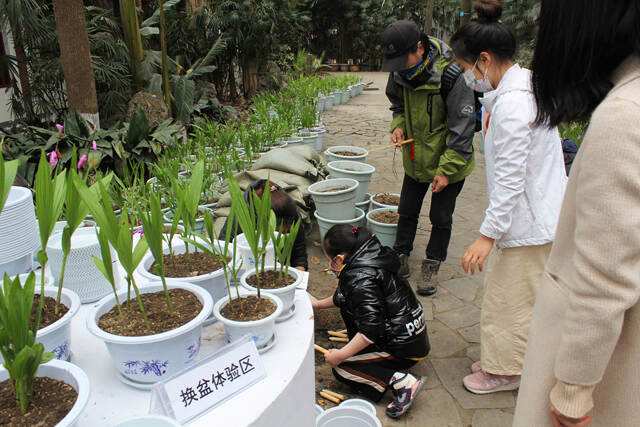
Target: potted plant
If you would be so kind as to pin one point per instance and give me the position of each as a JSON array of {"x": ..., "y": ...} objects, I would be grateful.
[
  {"x": 252, "y": 313},
  {"x": 385, "y": 200},
  {"x": 359, "y": 171},
  {"x": 335, "y": 198},
  {"x": 36, "y": 392},
  {"x": 383, "y": 223},
  {"x": 157, "y": 333},
  {"x": 346, "y": 152}
]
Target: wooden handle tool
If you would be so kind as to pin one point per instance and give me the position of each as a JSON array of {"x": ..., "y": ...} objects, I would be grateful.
[
  {"x": 337, "y": 334},
  {"x": 330, "y": 398},
  {"x": 339, "y": 339},
  {"x": 320, "y": 349}
]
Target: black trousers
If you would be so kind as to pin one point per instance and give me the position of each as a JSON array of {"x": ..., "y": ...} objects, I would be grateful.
[
  {"x": 369, "y": 372},
  {"x": 440, "y": 215}
]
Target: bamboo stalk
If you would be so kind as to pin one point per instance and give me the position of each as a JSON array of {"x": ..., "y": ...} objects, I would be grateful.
[
  {"x": 339, "y": 339},
  {"x": 334, "y": 394},
  {"x": 337, "y": 334},
  {"x": 330, "y": 398},
  {"x": 320, "y": 349}
]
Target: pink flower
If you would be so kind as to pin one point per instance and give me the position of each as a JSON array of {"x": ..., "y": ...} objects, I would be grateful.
[
  {"x": 94, "y": 146},
  {"x": 82, "y": 162},
  {"x": 60, "y": 128},
  {"x": 54, "y": 157}
]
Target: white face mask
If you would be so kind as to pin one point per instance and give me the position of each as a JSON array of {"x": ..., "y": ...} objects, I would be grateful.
[{"x": 482, "y": 86}]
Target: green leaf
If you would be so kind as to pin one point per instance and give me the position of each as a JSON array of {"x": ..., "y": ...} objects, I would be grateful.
[
  {"x": 138, "y": 128},
  {"x": 8, "y": 170}
]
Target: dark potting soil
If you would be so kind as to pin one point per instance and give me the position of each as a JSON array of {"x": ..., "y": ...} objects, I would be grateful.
[
  {"x": 271, "y": 280},
  {"x": 49, "y": 315},
  {"x": 332, "y": 189},
  {"x": 386, "y": 217},
  {"x": 248, "y": 308},
  {"x": 130, "y": 323},
  {"x": 190, "y": 264},
  {"x": 387, "y": 199},
  {"x": 51, "y": 402},
  {"x": 346, "y": 153}
]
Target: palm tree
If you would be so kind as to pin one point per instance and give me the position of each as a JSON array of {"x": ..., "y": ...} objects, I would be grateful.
[{"x": 75, "y": 57}]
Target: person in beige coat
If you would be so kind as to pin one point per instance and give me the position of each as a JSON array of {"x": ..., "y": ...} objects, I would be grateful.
[{"x": 582, "y": 365}]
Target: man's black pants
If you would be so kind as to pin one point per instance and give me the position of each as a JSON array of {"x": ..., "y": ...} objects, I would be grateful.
[{"x": 440, "y": 214}]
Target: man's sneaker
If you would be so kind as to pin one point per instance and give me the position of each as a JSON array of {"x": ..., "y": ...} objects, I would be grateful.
[
  {"x": 429, "y": 285},
  {"x": 484, "y": 383},
  {"x": 403, "y": 397},
  {"x": 476, "y": 367},
  {"x": 404, "y": 272}
]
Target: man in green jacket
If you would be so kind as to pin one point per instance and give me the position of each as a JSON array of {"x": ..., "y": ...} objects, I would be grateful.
[{"x": 432, "y": 105}]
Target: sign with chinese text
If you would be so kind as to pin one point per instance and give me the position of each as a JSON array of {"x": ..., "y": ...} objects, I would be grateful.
[{"x": 218, "y": 377}]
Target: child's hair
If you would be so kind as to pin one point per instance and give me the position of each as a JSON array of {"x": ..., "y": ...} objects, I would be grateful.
[{"x": 344, "y": 239}]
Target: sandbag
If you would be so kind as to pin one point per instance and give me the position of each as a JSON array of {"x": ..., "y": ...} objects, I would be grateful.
[{"x": 298, "y": 160}]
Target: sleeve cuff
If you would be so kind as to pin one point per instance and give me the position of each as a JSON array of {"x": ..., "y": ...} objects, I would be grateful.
[
  {"x": 397, "y": 122},
  {"x": 488, "y": 231},
  {"x": 571, "y": 400}
]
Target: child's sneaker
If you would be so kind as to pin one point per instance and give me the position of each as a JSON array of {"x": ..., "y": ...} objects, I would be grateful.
[
  {"x": 484, "y": 383},
  {"x": 404, "y": 389}
]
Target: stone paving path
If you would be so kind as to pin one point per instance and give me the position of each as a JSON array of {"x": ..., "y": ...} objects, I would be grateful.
[{"x": 453, "y": 315}]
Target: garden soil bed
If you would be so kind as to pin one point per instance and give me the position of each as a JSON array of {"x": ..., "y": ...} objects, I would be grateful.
[
  {"x": 271, "y": 280},
  {"x": 130, "y": 323},
  {"x": 49, "y": 315},
  {"x": 52, "y": 401},
  {"x": 248, "y": 308},
  {"x": 346, "y": 153},
  {"x": 190, "y": 265},
  {"x": 386, "y": 217},
  {"x": 387, "y": 199}
]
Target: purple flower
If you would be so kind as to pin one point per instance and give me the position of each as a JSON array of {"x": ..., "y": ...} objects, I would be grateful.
[
  {"x": 82, "y": 162},
  {"x": 60, "y": 128},
  {"x": 54, "y": 157},
  {"x": 94, "y": 146}
]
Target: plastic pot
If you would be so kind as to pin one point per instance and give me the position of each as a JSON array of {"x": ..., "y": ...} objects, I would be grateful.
[
  {"x": 378, "y": 205},
  {"x": 286, "y": 294},
  {"x": 244, "y": 251},
  {"x": 364, "y": 206},
  {"x": 338, "y": 203},
  {"x": 386, "y": 233},
  {"x": 324, "y": 224},
  {"x": 199, "y": 226},
  {"x": 146, "y": 360},
  {"x": 359, "y": 171},
  {"x": 360, "y": 404},
  {"x": 347, "y": 417},
  {"x": 150, "y": 421},
  {"x": 261, "y": 331},
  {"x": 322, "y": 133},
  {"x": 360, "y": 153},
  {"x": 308, "y": 138},
  {"x": 69, "y": 374}
]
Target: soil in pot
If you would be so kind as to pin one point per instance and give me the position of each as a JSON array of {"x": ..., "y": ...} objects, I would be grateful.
[
  {"x": 271, "y": 280},
  {"x": 49, "y": 315},
  {"x": 52, "y": 400},
  {"x": 387, "y": 199},
  {"x": 346, "y": 153},
  {"x": 130, "y": 322},
  {"x": 189, "y": 264},
  {"x": 386, "y": 217},
  {"x": 332, "y": 189},
  {"x": 248, "y": 308}
]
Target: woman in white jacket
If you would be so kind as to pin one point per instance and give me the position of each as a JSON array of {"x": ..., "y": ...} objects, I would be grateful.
[{"x": 525, "y": 182}]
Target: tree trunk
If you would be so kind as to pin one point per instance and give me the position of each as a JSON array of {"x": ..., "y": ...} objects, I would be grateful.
[
  {"x": 133, "y": 39},
  {"x": 250, "y": 77},
  {"x": 75, "y": 57},
  {"x": 428, "y": 17},
  {"x": 467, "y": 9},
  {"x": 23, "y": 74},
  {"x": 233, "y": 92}
]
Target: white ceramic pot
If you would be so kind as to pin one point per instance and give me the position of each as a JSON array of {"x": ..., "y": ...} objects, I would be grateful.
[
  {"x": 146, "y": 360},
  {"x": 335, "y": 204},
  {"x": 150, "y": 421},
  {"x": 245, "y": 254},
  {"x": 286, "y": 294},
  {"x": 386, "y": 233},
  {"x": 360, "y": 153},
  {"x": 69, "y": 374},
  {"x": 262, "y": 331},
  {"x": 378, "y": 205},
  {"x": 56, "y": 337},
  {"x": 324, "y": 224},
  {"x": 359, "y": 171}
]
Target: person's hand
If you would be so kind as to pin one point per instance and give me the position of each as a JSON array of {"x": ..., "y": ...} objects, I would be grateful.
[
  {"x": 476, "y": 254},
  {"x": 559, "y": 420},
  {"x": 334, "y": 357},
  {"x": 439, "y": 183},
  {"x": 397, "y": 136},
  {"x": 301, "y": 268}
]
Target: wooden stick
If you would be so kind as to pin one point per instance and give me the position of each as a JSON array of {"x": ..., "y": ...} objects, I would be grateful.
[
  {"x": 320, "y": 349},
  {"x": 342, "y": 331},
  {"x": 330, "y": 398},
  {"x": 339, "y": 339},
  {"x": 334, "y": 394},
  {"x": 337, "y": 334},
  {"x": 386, "y": 147}
]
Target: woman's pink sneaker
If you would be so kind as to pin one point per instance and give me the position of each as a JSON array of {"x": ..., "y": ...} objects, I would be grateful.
[
  {"x": 476, "y": 367},
  {"x": 484, "y": 383}
]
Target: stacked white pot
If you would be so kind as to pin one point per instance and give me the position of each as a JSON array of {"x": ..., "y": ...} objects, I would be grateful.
[
  {"x": 18, "y": 232},
  {"x": 81, "y": 274},
  {"x": 361, "y": 172},
  {"x": 335, "y": 201},
  {"x": 359, "y": 154}
]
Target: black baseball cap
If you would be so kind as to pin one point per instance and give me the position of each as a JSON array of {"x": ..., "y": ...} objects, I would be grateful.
[{"x": 398, "y": 39}]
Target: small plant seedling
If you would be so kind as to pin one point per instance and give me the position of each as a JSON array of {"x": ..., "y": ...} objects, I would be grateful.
[
  {"x": 283, "y": 245},
  {"x": 8, "y": 171}
]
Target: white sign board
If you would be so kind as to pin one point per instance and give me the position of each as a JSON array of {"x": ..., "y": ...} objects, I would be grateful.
[{"x": 220, "y": 376}]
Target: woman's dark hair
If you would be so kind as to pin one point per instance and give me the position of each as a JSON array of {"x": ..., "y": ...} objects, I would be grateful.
[
  {"x": 580, "y": 43},
  {"x": 344, "y": 239},
  {"x": 484, "y": 34}
]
